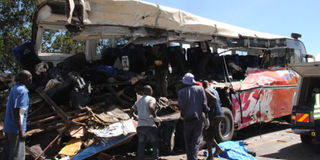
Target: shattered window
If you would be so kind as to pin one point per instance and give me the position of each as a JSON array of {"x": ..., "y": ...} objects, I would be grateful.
[
  {"x": 278, "y": 57},
  {"x": 298, "y": 56},
  {"x": 110, "y": 43},
  {"x": 59, "y": 41},
  {"x": 282, "y": 57},
  {"x": 294, "y": 56}
]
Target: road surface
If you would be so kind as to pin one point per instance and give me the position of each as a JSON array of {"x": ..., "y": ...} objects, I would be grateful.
[{"x": 274, "y": 140}]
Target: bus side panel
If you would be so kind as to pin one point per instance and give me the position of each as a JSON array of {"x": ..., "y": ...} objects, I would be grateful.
[
  {"x": 282, "y": 101},
  {"x": 271, "y": 96},
  {"x": 251, "y": 107},
  {"x": 262, "y": 105}
]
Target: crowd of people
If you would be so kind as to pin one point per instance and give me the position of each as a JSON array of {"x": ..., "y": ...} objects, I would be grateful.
[{"x": 196, "y": 104}]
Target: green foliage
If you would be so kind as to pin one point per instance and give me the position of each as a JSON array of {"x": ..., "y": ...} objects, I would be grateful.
[
  {"x": 15, "y": 29},
  {"x": 61, "y": 42},
  {"x": 110, "y": 43},
  {"x": 15, "y": 22}
]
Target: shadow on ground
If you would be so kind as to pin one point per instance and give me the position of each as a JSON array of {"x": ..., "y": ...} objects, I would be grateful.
[
  {"x": 296, "y": 152},
  {"x": 260, "y": 129}
]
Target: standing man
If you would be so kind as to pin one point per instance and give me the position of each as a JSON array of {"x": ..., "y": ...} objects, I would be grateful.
[
  {"x": 209, "y": 133},
  {"x": 147, "y": 129},
  {"x": 193, "y": 103},
  {"x": 162, "y": 65},
  {"x": 316, "y": 116},
  {"x": 15, "y": 123}
]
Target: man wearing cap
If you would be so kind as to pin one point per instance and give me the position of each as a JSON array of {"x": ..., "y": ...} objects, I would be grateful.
[{"x": 193, "y": 103}]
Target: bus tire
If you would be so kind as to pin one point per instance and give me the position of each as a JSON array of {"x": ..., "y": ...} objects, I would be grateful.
[
  {"x": 224, "y": 128},
  {"x": 305, "y": 139}
]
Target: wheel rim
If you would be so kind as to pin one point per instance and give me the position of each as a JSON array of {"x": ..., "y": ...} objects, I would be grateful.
[{"x": 225, "y": 127}]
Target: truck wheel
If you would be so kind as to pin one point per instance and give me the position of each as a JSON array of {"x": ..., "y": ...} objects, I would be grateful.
[
  {"x": 305, "y": 139},
  {"x": 224, "y": 128}
]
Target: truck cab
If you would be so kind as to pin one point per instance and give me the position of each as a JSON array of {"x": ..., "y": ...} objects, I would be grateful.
[{"x": 302, "y": 117}]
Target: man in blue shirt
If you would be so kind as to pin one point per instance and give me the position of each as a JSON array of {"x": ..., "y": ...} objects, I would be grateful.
[
  {"x": 15, "y": 123},
  {"x": 193, "y": 103}
]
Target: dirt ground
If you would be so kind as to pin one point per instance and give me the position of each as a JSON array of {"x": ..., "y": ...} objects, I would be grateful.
[{"x": 268, "y": 141}]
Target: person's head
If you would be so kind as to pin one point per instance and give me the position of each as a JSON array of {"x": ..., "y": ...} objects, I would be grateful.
[
  {"x": 205, "y": 84},
  {"x": 188, "y": 79},
  {"x": 24, "y": 77},
  {"x": 147, "y": 90}
]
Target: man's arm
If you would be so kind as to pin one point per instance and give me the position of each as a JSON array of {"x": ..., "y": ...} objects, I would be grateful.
[
  {"x": 152, "y": 109},
  {"x": 205, "y": 109},
  {"x": 133, "y": 113},
  {"x": 20, "y": 108},
  {"x": 18, "y": 121}
]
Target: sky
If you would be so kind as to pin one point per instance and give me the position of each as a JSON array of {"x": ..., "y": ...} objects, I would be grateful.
[{"x": 281, "y": 17}]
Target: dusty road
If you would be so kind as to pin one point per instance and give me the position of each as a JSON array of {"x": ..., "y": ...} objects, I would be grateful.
[
  {"x": 273, "y": 140},
  {"x": 277, "y": 141}
]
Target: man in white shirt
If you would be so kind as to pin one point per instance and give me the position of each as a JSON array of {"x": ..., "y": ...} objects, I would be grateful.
[{"x": 147, "y": 129}]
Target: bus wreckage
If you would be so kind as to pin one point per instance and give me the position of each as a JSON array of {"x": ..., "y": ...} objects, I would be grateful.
[{"x": 248, "y": 68}]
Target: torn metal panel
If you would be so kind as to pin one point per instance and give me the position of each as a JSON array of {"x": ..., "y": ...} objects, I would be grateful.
[
  {"x": 264, "y": 95},
  {"x": 132, "y": 14},
  {"x": 112, "y": 136}
]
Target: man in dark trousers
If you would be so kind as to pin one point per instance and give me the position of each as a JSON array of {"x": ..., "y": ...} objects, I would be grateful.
[
  {"x": 209, "y": 133},
  {"x": 193, "y": 103},
  {"x": 161, "y": 63},
  {"x": 147, "y": 129},
  {"x": 15, "y": 122}
]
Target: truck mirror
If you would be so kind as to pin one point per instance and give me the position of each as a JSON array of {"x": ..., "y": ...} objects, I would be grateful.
[
  {"x": 309, "y": 56},
  {"x": 312, "y": 58}
]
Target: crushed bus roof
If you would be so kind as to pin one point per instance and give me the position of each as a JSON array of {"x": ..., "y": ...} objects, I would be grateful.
[{"x": 135, "y": 19}]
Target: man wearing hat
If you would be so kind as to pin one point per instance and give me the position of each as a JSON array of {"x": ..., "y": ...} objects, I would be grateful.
[{"x": 193, "y": 103}]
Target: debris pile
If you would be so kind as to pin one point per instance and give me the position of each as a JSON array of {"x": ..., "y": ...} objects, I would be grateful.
[
  {"x": 74, "y": 99},
  {"x": 78, "y": 109}
]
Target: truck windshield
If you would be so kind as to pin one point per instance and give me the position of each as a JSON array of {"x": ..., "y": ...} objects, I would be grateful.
[{"x": 284, "y": 56}]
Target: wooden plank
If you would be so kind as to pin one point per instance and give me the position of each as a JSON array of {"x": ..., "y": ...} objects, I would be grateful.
[{"x": 54, "y": 106}]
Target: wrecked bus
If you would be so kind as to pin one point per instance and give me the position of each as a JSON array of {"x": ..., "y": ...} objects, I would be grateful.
[{"x": 248, "y": 68}]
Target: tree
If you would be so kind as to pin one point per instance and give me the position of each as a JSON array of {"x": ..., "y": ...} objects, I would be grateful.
[
  {"x": 60, "y": 42},
  {"x": 15, "y": 29}
]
